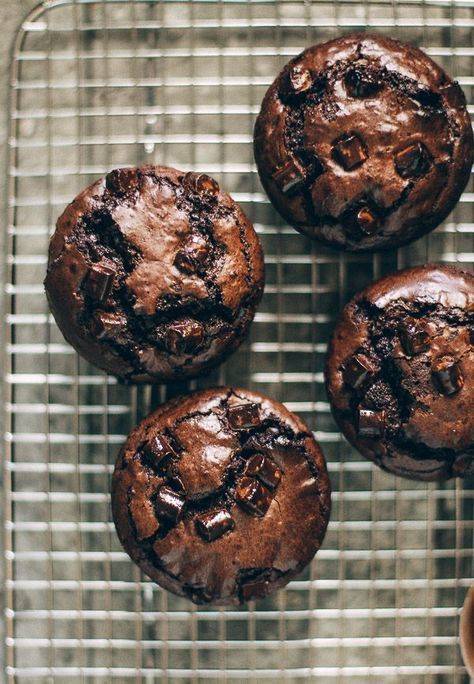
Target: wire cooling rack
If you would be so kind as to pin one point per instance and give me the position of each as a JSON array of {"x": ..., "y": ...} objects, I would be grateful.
[{"x": 95, "y": 85}]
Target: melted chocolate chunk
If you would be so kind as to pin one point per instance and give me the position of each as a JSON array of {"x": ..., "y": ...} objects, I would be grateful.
[
  {"x": 201, "y": 184},
  {"x": 176, "y": 482},
  {"x": 158, "y": 449},
  {"x": 144, "y": 518},
  {"x": 357, "y": 371},
  {"x": 193, "y": 254},
  {"x": 243, "y": 416},
  {"x": 253, "y": 496},
  {"x": 108, "y": 326},
  {"x": 414, "y": 336},
  {"x": 264, "y": 469},
  {"x": 447, "y": 375},
  {"x": 99, "y": 281},
  {"x": 121, "y": 181},
  {"x": 255, "y": 589},
  {"x": 412, "y": 161},
  {"x": 289, "y": 178},
  {"x": 169, "y": 505},
  {"x": 349, "y": 151},
  {"x": 367, "y": 221},
  {"x": 212, "y": 525},
  {"x": 183, "y": 337},
  {"x": 297, "y": 81},
  {"x": 313, "y": 165},
  {"x": 360, "y": 83},
  {"x": 370, "y": 423}
]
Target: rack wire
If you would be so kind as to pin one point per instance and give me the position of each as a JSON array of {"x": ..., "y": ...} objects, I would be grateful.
[{"x": 98, "y": 84}]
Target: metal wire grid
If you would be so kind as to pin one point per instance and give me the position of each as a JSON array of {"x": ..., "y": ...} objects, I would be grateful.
[{"x": 99, "y": 84}]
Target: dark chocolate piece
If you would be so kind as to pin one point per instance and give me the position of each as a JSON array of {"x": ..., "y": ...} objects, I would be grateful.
[
  {"x": 264, "y": 469},
  {"x": 412, "y": 161},
  {"x": 192, "y": 255},
  {"x": 367, "y": 221},
  {"x": 255, "y": 589},
  {"x": 311, "y": 162},
  {"x": 243, "y": 416},
  {"x": 289, "y": 178},
  {"x": 447, "y": 374},
  {"x": 121, "y": 181},
  {"x": 212, "y": 525},
  {"x": 183, "y": 337},
  {"x": 253, "y": 496},
  {"x": 414, "y": 336},
  {"x": 169, "y": 505},
  {"x": 108, "y": 326},
  {"x": 357, "y": 371},
  {"x": 201, "y": 183},
  {"x": 360, "y": 83},
  {"x": 158, "y": 449},
  {"x": 298, "y": 80},
  {"x": 349, "y": 151},
  {"x": 99, "y": 281},
  {"x": 370, "y": 423}
]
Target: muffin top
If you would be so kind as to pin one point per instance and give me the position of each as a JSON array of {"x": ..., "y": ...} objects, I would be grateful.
[
  {"x": 400, "y": 372},
  {"x": 363, "y": 142},
  {"x": 154, "y": 274},
  {"x": 221, "y": 496}
]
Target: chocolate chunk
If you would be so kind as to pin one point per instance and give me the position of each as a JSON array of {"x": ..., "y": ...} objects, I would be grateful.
[
  {"x": 253, "y": 496},
  {"x": 414, "y": 336},
  {"x": 311, "y": 162},
  {"x": 243, "y": 416},
  {"x": 289, "y": 178},
  {"x": 211, "y": 526},
  {"x": 412, "y": 161},
  {"x": 121, "y": 181},
  {"x": 143, "y": 516},
  {"x": 371, "y": 423},
  {"x": 367, "y": 221},
  {"x": 255, "y": 589},
  {"x": 357, "y": 371},
  {"x": 176, "y": 482},
  {"x": 447, "y": 375},
  {"x": 169, "y": 505},
  {"x": 183, "y": 337},
  {"x": 349, "y": 151},
  {"x": 201, "y": 183},
  {"x": 360, "y": 83},
  {"x": 471, "y": 336},
  {"x": 264, "y": 469},
  {"x": 108, "y": 326},
  {"x": 99, "y": 281},
  {"x": 158, "y": 449},
  {"x": 192, "y": 255},
  {"x": 297, "y": 80}
]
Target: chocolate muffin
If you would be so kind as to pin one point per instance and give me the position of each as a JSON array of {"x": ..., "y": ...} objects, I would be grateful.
[
  {"x": 221, "y": 496},
  {"x": 154, "y": 274},
  {"x": 364, "y": 143},
  {"x": 400, "y": 372}
]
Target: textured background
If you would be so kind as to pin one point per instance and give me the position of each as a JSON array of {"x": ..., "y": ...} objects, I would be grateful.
[{"x": 99, "y": 84}]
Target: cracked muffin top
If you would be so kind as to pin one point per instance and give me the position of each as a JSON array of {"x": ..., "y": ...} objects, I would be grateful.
[
  {"x": 221, "y": 496},
  {"x": 364, "y": 143},
  {"x": 154, "y": 274},
  {"x": 400, "y": 372}
]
